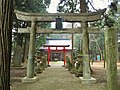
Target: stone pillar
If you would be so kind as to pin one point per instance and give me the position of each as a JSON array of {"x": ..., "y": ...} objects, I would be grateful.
[
  {"x": 30, "y": 65},
  {"x": 86, "y": 65},
  {"x": 17, "y": 58},
  {"x": 86, "y": 62},
  {"x": 111, "y": 57}
]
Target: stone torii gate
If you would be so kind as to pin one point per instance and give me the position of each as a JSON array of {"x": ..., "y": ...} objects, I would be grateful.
[{"x": 50, "y": 17}]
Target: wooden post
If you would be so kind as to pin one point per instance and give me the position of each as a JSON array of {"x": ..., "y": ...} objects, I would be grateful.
[
  {"x": 104, "y": 58},
  {"x": 64, "y": 55},
  {"x": 30, "y": 65},
  {"x": 48, "y": 56},
  {"x": 111, "y": 57},
  {"x": 72, "y": 57}
]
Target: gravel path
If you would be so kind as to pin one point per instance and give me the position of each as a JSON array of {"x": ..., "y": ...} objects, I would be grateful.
[{"x": 57, "y": 78}]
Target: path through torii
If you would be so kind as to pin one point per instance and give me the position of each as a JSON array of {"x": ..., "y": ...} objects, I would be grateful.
[{"x": 50, "y": 17}]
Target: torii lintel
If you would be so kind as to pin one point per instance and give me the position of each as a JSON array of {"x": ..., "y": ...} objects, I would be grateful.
[
  {"x": 67, "y": 17},
  {"x": 92, "y": 30}
]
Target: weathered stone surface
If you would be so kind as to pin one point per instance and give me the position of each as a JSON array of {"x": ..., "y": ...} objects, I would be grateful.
[
  {"x": 67, "y": 17},
  {"x": 86, "y": 65},
  {"x": 38, "y": 68},
  {"x": 111, "y": 57},
  {"x": 79, "y": 66},
  {"x": 92, "y": 30},
  {"x": 27, "y": 80},
  {"x": 73, "y": 71},
  {"x": 91, "y": 80},
  {"x": 46, "y": 61},
  {"x": 31, "y": 56},
  {"x": 17, "y": 58}
]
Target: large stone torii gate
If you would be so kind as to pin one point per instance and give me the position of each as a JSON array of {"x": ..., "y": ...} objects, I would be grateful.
[{"x": 67, "y": 17}]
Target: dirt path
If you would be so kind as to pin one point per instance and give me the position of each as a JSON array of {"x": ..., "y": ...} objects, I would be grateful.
[{"x": 57, "y": 78}]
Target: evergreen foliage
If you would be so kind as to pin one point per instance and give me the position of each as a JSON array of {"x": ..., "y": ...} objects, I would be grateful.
[
  {"x": 34, "y": 6},
  {"x": 68, "y": 6}
]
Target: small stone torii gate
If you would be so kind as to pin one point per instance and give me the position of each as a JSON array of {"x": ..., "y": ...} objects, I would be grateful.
[{"x": 67, "y": 17}]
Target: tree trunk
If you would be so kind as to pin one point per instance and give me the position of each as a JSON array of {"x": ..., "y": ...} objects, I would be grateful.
[
  {"x": 111, "y": 57},
  {"x": 25, "y": 49},
  {"x": 6, "y": 12},
  {"x": 83, "y": 6}
]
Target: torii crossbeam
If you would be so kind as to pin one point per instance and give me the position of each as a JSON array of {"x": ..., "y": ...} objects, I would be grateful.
[
  {"x": 79, "y": 30},
  {"x": 67, "y": 17}
]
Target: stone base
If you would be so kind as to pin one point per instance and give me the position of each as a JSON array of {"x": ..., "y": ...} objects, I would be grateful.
[
  {"x": 88, "y": 81},
  {"x": 63, "y": 65},
  {"x": 18, "y": 79},
  {"x": 25, "y": 79},
  {"x": 18, "y": 67}
]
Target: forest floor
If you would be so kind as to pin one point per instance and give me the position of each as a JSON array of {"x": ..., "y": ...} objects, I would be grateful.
[{"x": 57, "y": 77}]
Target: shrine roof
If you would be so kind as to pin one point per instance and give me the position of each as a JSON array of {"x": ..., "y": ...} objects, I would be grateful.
[
  {"x": 60, "y": 43},
  {"x": 48, "y": 45},
  {"x": 56, "y": 39}
]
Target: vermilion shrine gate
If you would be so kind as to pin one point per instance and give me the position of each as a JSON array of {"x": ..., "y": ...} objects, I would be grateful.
[
  {"x": 57, "y": 49},
  {"x": 67, "y": 17},
  {"x": 56, "y": 46}
]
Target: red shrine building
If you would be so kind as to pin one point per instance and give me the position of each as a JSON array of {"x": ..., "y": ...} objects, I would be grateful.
[{"x": 58, "y": 49}]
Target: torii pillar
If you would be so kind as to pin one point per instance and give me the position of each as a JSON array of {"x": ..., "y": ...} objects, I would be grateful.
[
  {"x": 86, "y": 63},
  {"x": 30, "y": 65}
]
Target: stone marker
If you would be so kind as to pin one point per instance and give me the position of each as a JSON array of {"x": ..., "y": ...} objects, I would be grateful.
[{"x": 17, "y": 58}]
